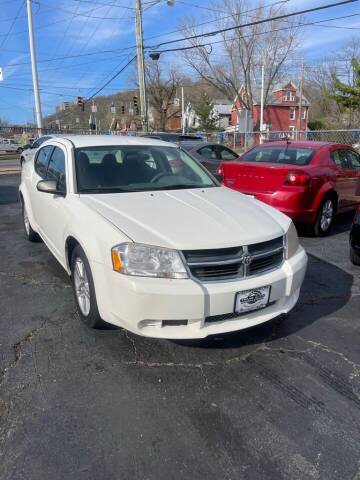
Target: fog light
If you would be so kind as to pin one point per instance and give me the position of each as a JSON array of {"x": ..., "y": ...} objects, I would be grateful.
[{"x": 149, "y": 323}]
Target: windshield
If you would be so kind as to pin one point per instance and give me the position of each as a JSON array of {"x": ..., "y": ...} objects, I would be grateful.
[
  {"x": 109, "y": 169},
  {"x": 283, "y": 155}
]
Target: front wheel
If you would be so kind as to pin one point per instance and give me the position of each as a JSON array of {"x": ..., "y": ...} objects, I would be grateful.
[
  {"x": 30, "y": 234},
  {"x": 84, "y": 290},
  {"x": 325, "y": 217}
]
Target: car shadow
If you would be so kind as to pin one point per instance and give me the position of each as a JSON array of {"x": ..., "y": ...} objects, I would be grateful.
[{"x": 326, "y": 289}]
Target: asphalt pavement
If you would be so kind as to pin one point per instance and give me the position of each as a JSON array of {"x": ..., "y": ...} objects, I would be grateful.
[
  {"x": 9, "y": 163},
  {"x": 280, "y": 401}
]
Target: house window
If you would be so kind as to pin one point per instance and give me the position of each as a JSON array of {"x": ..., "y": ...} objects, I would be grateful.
[
  {"x": 292, "y": 113},
  {"x": 303, "y": 114},
  {"x": 292, "y": 132},
  {"x": 289, "y": 96}
]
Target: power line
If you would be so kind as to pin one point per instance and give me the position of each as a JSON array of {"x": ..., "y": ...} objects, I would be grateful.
[
  {"x": 6, "y": 36},
  {"x": 260, "y": 33},
  {"x": 113, "y": 77},
  {"x": 147, "y": 38},
  {"x": 257, "y": 22}
]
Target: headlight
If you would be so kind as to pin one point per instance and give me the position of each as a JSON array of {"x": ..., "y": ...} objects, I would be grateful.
[
  {"x": 292, "y": 241},
  {"x": 147, "y": 261}
]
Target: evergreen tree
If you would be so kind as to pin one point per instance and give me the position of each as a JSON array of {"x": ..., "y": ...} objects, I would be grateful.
[
  {"x": 205, "y": 113},
  {"x": 348, "y": 96}
]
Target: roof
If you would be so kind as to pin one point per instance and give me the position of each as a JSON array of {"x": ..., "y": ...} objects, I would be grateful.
[
  {"x": 273, "y": 100},
  {"x": 222, "y": 109},
  {"x": 299, "y": 144},
  {"x": 103, "y": 140},
  {"x": 191, "y": 144}
]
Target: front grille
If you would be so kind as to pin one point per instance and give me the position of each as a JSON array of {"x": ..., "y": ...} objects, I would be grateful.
[{"x": 235, "y": 262}]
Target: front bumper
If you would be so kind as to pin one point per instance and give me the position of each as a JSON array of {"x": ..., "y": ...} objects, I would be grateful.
[{"x": 141, "y": 304}]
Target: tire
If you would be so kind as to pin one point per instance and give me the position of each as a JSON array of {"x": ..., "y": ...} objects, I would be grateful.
[
  {"x": 325, "y": 217},
  {"x": 30, "y": 234},
  {"x": 354, "y": 256},
  {"x": 84, "y": 290}
]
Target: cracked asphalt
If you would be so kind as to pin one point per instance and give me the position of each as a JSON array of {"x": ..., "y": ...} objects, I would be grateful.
[{"x": 280, "y": 401}]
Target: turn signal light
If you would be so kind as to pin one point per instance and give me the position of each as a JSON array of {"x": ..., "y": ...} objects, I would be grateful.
[
  {"x": 220, "y": 173},
  {"x": 297, "y": 179}
]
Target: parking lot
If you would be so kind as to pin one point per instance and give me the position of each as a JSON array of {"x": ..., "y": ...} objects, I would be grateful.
[{"x": 280, "y": 401}]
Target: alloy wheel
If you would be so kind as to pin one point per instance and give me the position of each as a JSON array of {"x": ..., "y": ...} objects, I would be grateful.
[
  {"x": 327, "y": 214},
  {"x": 82, "y": 289},
  {"x": 26, "y": 222}
]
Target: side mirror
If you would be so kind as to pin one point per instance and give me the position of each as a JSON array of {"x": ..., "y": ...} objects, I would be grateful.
[{"x": 50, "y": 186}]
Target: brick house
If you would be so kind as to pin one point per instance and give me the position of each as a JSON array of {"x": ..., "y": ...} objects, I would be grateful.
[{"x": 281, "y": 111}]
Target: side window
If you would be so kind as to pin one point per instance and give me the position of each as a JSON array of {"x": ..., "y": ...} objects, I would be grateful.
[
  {"x": 355, "y": 160},
  {"x": 39, "y": 142},
  {"x": 226, "y": 153},
  {"x": 208, "y": 152},
  {"x": 56, "y": 170},
  {"x": 341, "y": 158},
  {"x": 42, "y": 159}
]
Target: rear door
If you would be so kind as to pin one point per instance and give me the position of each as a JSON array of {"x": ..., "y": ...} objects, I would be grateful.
[
  {"x": 346, "y": 177},
  {"x": 355, "y": 163}
]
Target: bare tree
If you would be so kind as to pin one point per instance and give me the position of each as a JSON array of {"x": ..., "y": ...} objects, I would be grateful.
[
  {"x": 162, "y": 88},
  {"x": 236, "y": 61}
]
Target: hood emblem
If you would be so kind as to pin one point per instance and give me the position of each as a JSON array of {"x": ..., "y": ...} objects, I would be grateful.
[{"x": 246, "y": 259}]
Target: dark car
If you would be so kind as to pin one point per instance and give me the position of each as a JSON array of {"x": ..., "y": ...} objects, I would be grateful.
[
  {"x": 171, "y": 137},
  {"x": 355, "y": 239},
  {"x": 209, "y": 154}
]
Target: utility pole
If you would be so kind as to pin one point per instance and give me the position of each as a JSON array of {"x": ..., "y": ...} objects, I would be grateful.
[
  {"x": 262, "y": 102},
  {"x": 300, "y": 101},
  {"x": 34, "y": 67},
  {"x": 182, "y": 111},
  {"x": 140, "y": 63}
]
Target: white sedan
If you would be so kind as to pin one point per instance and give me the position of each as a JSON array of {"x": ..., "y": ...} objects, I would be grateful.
[{"x": 153, "y": 243}]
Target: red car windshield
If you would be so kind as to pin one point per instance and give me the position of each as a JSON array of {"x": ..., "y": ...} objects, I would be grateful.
[{"x": 283, "y": 155}]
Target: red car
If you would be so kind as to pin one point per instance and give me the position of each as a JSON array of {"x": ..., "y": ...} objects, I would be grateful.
[{"x": 308, "y": 181}]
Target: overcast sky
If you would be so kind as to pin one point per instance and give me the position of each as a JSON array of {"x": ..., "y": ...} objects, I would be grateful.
[{"x": 64, "y": 28}]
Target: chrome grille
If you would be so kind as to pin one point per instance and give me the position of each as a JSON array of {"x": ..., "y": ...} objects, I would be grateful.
[{"x": 235, "y": 262}]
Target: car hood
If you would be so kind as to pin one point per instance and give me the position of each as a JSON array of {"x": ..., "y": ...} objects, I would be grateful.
[{"x": 189, "y": 219}]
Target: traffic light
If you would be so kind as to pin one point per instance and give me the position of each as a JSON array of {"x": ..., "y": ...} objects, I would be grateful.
[
  {"x": 123, "y": 109},
  {"x": 81, "y": 103},
  {"x": 135, "y": 100},
  {"x": 137, "y": 110}
]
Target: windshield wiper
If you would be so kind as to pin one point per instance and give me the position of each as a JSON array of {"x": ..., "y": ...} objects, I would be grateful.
[
  {"x": 105, "y": 190},
  {"x": 180, "y": 186}
]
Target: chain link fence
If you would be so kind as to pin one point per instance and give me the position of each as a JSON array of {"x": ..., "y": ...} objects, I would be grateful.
[{"x": 239, "y": 141}]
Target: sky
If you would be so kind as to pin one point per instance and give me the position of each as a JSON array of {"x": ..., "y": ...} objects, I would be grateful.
[{"x": 98, "y": 38}]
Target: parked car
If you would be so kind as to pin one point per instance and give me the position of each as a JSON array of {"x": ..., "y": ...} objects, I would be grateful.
[
  {"x": 29, "y": 152},
  {"x": 209, "y": 154},
  {"x": 355, "y": 239},
  {"x": 8, "y": 145},
  {"x": 308, "y": 181},
  {"x": 171, "y": 137},
  {"x": 161, "y": 252}
]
